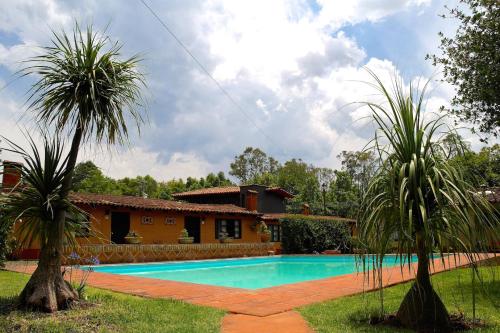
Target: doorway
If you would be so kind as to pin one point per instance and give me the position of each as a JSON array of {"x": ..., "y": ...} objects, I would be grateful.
[
  {"x": 192, "y": 225},
  {"x": 120, "y": 226}
]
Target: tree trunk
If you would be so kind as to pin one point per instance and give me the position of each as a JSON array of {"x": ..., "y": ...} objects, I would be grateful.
[
  {"x": 47, "y": 290},
  {"x": 422, "y": 309}
]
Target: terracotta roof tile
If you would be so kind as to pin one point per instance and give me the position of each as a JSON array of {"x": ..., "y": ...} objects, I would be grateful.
[
  {"x": 210, "y": 190},
  {"x": 280, "y": 191},
  {"x": 228, "y": 190},
  {"x": 155, "y": 204}
]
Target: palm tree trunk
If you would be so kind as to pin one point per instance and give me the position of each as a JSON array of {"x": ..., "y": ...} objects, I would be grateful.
[
  {"x": 47, "y": 290},
  {"x": 422, "y": 309}
]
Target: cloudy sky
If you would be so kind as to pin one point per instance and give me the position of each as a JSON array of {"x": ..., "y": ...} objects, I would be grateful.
[{"x": 294, "y": 68}]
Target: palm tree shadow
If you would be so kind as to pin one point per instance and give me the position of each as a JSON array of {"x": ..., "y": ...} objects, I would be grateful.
[{"x": 8, "y": 305}]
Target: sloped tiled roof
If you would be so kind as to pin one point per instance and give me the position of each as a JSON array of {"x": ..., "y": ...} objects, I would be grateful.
[
  {"x": 228, "y": 190},
  {"x": 280, "y": 191},
  {"x": 155, "y": 204},
  {"x": 210, "y": 191},
  {"x": 277, "y": 216}
]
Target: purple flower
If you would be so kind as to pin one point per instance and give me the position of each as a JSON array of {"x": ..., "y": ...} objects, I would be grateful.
[
  {"x": 94, "y": 260},
  {"x": 74, "y": 256}
]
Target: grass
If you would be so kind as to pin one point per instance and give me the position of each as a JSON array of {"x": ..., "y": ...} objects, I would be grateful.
[
  {"x": 351, "y": 314},
  {"x": 114, "y": 312}
]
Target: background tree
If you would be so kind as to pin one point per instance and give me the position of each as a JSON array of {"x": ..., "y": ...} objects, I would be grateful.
[
  {"x": 88, "y": 178},
  {"x": 344, "y": 195},
  {"x": 86, "y": 91},
  {"x": 252, "y": 165},
  {"x": 453, "y": 145},
  {"x": 471, "y": 62},
  {"x": 481, "y": 169},
  {"x": 301, "y": 179},
  {"x": 360, "y": 165},
  {"x": 326, "y": 178},
  {"x": 419, "y": 196},
  {"x": 309, "y": 184}
]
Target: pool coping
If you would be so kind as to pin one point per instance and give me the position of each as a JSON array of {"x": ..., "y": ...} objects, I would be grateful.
[
  {"x": 97, "y": 268},
  {"x": 259, "y": 302}
]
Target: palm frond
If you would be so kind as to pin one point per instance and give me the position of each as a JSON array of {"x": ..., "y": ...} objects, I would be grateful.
[
  {"x": 416, "y": 189},
  {"x": 33, "y": 203},
  {"x": 82, "y": 82}
]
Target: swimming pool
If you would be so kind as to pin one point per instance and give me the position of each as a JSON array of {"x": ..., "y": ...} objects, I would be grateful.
[{"x": 247, "y": 273}]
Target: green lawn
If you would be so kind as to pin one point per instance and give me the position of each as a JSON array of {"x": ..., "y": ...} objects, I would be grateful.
[
  {"x": 350, "y": 314},
  {"x": 115, "y": 312}
]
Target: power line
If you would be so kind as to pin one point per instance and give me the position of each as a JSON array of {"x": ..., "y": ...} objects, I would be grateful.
[
  {"x": 224, "y": 91},
  {"x": 8, "y": 83}
]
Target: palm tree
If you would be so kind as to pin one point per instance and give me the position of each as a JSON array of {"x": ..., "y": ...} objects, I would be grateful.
[
  {"x": 418, "y": 199},
  {"x": 85, "y": 91},
  {"x": 33, "y": 203}
]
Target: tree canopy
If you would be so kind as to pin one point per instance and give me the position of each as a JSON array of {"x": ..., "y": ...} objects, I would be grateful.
[
  {"x": 327, "y": 191},
  {"x": 471, "y": 63},
  {"x": 89, "y": 178}
]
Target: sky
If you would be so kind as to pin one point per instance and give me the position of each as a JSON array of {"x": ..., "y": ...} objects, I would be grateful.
[{"x": 294, "y": 69}]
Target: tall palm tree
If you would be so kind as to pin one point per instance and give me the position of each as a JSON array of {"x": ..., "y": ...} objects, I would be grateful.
[
  {"x": 418, "y": 199},
  {"x": 85, "y": 91}
]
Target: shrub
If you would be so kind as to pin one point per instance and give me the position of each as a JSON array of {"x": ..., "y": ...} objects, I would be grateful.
[
  {"x": 7, "y": 242},
  {"x": 307, "y": 234}
]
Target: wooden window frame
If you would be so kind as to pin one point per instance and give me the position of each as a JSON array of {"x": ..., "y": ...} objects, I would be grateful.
[
  {"x": 275, "y": 231},
  {"x": 236, "y": 226}
]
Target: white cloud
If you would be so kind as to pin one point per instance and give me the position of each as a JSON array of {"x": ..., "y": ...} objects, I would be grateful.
[
  {"x": 335, "y": 14},
  {"x": 290, "y": 67},
  {"x": 32, "y": 19},
  {"x": 138, "y": 161}
]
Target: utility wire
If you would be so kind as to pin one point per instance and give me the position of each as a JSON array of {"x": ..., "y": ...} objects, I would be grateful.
[
  {"x": 224, "y": 91},
  {"x": 8, "y": 83}
]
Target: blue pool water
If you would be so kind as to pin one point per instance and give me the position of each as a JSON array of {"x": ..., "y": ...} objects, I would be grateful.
[{"x": 248, "y": 273}]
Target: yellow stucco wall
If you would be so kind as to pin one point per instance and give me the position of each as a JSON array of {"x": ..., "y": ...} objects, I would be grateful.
[{"x": 159, "y": 232}]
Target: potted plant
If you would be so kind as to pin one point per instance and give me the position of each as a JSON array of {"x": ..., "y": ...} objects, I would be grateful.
[
  {"x": 133, "y": 237},
  {"x": 184, "y": 237},
  {"x": 224, "y": 238},
  {"x": 265, "y": 233},
  {"x": 255, "y": 226}
]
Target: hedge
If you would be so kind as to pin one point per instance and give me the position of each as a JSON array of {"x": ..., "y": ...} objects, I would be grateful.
[{"x": 307, "y": 235}]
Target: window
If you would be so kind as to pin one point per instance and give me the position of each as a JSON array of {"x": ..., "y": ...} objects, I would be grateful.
[
  {"x": 147, "y": 220},
  {"x": 275, "y": 232},
  {"x": 231, "y": 227},
  {"x": 170, "y": 220}
]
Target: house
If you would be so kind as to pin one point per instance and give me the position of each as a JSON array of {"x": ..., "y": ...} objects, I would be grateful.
[
  {"x": 264, "y": 200},
  {"x": 206, "y": 214},
  {"x": 160, "y": 221}
]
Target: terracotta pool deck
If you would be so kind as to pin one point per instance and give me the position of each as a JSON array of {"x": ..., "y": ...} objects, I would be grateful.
[
  {"x": 261, "y": 302},
  {"x": 267, "y": 309}
]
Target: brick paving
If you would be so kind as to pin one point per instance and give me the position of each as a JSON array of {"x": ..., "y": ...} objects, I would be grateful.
[
  {"x": 285, "y": 322},
  {"x": 245, "y": 305}
]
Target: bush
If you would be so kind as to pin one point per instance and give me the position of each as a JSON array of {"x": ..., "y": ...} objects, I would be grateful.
[
  {"x": 307, "y": 234},
  {"x": 6, "y": 242}
]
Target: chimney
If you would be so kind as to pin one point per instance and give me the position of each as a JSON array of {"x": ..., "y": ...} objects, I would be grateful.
[
  {"x": 251, "y": 203},
  {"x": 11, "y": 175},
  {"x": 306, "y": 210}
]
